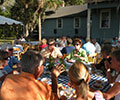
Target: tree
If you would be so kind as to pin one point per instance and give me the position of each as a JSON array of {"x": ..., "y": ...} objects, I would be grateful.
[
  {"x": 1, "y": 1},
  {"x": 28, "y": 11},
  {"x": 73, "y": 2}
]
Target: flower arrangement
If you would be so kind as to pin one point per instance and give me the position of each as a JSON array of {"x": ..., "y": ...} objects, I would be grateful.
[
  {"x": 51, "y": 63},
  {"x": 62, "y": 61}
]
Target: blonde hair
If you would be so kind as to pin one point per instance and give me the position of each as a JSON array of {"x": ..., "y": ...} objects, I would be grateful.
[
  {"x": 44, "y": 41},
  {"x": 78, "y": 74}
]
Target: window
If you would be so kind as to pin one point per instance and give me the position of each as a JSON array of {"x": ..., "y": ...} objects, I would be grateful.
[
  {"x": 59, "y": 23},
  {"x": 76, "y": 22},
  {"x": 105, "y": 19}
]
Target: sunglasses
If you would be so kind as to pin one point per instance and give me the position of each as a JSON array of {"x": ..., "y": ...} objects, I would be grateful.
[{"x": 77, "y": 44}]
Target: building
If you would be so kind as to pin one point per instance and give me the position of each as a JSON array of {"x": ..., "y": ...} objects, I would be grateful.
[
  {"x": 68, "y": 21},
  {"x": 99, "y": 19},
  {"x": 104, "y": 18}
]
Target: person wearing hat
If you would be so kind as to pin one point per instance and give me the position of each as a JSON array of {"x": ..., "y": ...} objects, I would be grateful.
[{"x": 51, "y": 50}]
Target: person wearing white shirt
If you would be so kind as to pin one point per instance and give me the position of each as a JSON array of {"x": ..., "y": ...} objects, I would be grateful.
[{"x": 97, "y": 46}]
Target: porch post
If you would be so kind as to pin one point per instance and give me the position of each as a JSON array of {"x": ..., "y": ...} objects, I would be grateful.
[{"x": 88, "y": 23}]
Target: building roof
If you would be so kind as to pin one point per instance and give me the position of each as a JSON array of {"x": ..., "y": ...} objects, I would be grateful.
[{"x": 66, "y": 11}]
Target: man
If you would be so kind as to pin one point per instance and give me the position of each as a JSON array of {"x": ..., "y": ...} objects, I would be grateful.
[
  {"x": 89, "y": 47},
  {"x": 25, "y": 86},
  {"x": 97, "y": 46},
  {"x": 67, "y": 49}
]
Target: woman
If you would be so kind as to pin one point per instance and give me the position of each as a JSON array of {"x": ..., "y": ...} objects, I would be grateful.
[
  {"x": 115, "y": 64},
  {"x": 78, "y": 53},
  {"x": 79, "y": 77}
]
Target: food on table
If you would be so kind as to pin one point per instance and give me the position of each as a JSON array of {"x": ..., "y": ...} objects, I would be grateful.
[
  {"x": 98, "y": 81},
  {"x": 98, "y": 84},
  {"x": 44, "y": 80},
  {"x": 61, "y": 87}
]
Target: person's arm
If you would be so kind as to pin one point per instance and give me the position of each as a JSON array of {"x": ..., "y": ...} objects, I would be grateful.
[
  {"x": 111, "y": 79},
  {"x": 55, "y": 73},
  {"x": 112, "y": 91}
]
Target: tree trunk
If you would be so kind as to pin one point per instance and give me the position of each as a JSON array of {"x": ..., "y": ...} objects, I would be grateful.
[
  {"x": 26, "y": 30},
  {"x": 39, "y": 25}
]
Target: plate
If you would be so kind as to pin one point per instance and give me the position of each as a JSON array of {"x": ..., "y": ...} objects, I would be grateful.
[{"x": 98, "y": 85}]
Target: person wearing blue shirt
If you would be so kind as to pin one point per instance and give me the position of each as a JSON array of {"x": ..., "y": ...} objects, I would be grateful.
[
  {"x": 89, "y": 47},
  {"x": 12, "y": 59},
  {"x": 68, "y": 48},
  {"x": 5, "y": 69}
]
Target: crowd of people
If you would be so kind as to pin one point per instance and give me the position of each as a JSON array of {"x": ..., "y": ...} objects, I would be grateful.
[{"x": 21, "y": 83}]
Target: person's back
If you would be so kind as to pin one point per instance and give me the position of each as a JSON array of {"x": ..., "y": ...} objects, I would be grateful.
[
  {"x": 25, "y": 87},
  {"x": 69, "y": 47},
  {"x": 89, "y": 47}
]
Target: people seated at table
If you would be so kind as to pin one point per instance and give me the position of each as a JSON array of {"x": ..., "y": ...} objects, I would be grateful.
[
  {"x": 118, "y": 43},
  {"x": 25, "y": 86},
  {"x": 78, "y": 53},
  {"x": 114, "y": 41},
  {"x": 82, "y": 39},
  {"x": 115, "y": 64},
  {"x": 17, "y": 40},
  {"x": 106, "y": 50},
  {"x": 51, "y": 50},
  {"x": 64, "y": 41},
  {"x": 22, "y": 38},
  {"x": 79, "y": 77},
  {"x": 5, "y": 69},
  {"x": 89, "y": 47},
  {"x": 97, "y": 46},
  {"x": 12, "y": 59},
  {"x": 67, "y": 49},
  {"x": 43, "y": 44}
]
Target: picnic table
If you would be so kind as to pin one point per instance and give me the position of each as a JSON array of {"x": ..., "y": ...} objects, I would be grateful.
[{"x": 97, "y": 82}]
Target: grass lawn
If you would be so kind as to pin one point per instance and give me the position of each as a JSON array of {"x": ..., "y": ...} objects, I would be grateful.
[{"x": 7, "y": 40}]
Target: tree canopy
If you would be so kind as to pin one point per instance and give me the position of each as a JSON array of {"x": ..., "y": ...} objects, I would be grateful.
[
  {"x": 27, "y": 10},
  {"x": 73, "y": 2}
]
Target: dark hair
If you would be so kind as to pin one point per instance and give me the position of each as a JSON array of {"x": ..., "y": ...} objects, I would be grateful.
[
  {"x": 51, "y": 41},
  {"x": 30, "y": 60},
  {"x": 69, "y": 41},
  {"x": 77, "y": 40},
  {"x": 107, "y": 49},
  {"x": 116, "y": 54},
  {"x": 3, "y": 55}
]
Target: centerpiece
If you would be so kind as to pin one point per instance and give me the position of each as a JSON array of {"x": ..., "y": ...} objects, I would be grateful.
[{"x": 51, "y": 63}]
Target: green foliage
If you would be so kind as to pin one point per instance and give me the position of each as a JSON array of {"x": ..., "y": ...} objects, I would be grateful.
[
  {"x": 51, "y": 63},
  {"x": 73, "y": 2},
  {"x": 27, "y": 10}
]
